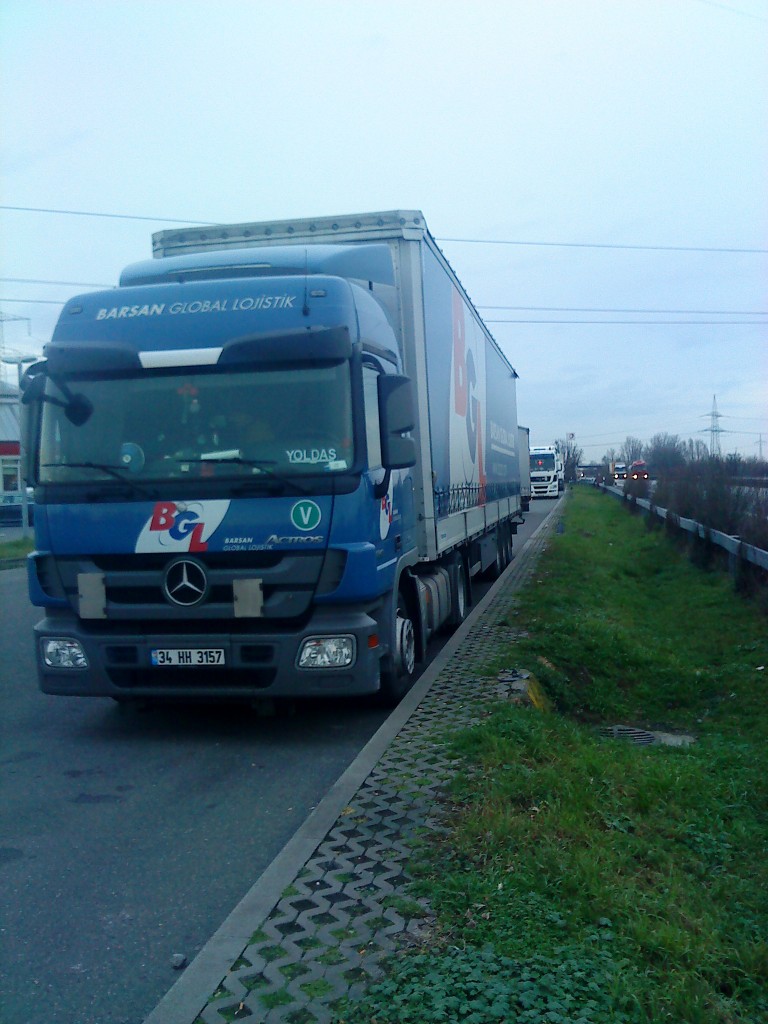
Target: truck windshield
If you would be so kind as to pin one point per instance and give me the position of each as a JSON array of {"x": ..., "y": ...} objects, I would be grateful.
[
  {"x": 540, "y": 463},
  {"x": 168, "y": 424}
]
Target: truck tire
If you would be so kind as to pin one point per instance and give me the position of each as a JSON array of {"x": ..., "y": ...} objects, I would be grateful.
[
  {"x": 459, "y": 593},
  {"x": 497, "y": 566},
  {"x": 398, "y": 669},
  {"x": 507, "y": 544}
]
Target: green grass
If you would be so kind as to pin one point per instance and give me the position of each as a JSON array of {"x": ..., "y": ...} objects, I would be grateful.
[
  {"x": 586, "y": 879},
  {"x": 16, "y": 548}
]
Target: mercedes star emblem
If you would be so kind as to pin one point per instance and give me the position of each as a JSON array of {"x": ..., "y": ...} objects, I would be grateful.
[{"x": 185, "y": 583}]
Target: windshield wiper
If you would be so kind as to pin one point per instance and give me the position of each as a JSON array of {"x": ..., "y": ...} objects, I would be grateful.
[
  {"x": 114, "y": 471},
  {"x": 263, "y": 465}
]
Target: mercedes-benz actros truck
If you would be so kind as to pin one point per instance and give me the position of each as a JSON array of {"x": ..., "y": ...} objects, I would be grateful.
[{"x": 269, "y": 464}]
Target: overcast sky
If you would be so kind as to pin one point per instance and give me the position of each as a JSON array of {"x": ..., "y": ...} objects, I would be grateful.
[{"x": 618, "y": 149}]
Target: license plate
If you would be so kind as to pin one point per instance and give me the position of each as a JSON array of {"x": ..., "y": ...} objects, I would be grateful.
[{"x": 187, "y": 657}]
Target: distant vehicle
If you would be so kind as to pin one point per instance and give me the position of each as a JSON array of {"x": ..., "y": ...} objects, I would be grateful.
[
  {"x": 588, "y": 473},
  {"x": 638, "y": 470},
  {"x": 524, "y": 454},
  {"x": 619, "y": 471},
  {"x": 547, "y": 471}
]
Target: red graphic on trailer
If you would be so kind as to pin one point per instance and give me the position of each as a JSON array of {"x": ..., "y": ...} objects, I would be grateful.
[{"x": 467, "y": 465}]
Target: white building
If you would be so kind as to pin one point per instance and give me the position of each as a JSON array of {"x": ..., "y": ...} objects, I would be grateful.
[{"x": 10, "y": 477}]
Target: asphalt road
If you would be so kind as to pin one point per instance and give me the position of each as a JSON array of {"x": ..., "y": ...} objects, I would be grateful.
[{"x": 126, "y": 837}]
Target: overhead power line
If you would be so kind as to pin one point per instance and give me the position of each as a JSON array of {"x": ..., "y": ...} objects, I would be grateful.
[
  {"x": 640, "y": 323},
  {"x": 602, "y": 245},
  {"x": 474, "y": 241},
  {"x": 74, "y": 284},
  {"x": 535, "y": 309},
  {"x": 112, "y": 216},
  {"x": 37, "y": 302},
  {"x": 732, "y": 10},
  {"x": 599, "y": 309}
]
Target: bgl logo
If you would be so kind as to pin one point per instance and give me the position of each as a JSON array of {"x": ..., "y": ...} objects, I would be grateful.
[{"x": 181, "y": 526}]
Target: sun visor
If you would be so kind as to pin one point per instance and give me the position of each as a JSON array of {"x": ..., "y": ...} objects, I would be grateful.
[
  {"x": 87, "y": 357},
  {"x": 326, "y": 344}
]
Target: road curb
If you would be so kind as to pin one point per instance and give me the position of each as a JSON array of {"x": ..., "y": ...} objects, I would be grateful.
[
  {"x": 188, "y": 998},
  {"x": 12, "y": 563}
]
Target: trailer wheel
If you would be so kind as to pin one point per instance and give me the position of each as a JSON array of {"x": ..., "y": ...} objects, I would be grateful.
[
  {"x": 397, "y": 672},
  {"x": 496, "y": 568},
  {"x": 459, "y": 593},
  {"x": 507, "y": 545}
]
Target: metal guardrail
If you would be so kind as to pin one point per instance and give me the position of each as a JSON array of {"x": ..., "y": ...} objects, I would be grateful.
[{"x": 735, "y": 547}]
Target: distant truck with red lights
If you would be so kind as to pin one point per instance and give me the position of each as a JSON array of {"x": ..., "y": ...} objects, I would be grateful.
[{"x": 638, "y": 470}]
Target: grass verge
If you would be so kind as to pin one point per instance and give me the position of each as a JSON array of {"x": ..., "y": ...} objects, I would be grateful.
[
  {"x": 589, "y": 880},
  {"x": 15, "y": 549}
]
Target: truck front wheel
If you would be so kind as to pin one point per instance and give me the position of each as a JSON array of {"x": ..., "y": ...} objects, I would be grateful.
[{"x": 398, "y": 669}]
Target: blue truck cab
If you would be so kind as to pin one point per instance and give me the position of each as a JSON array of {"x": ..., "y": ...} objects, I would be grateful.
[{"x": 228, "y": 455}]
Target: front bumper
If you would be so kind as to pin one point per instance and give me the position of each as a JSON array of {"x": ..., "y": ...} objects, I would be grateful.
[
  {"x": 256, "y": 664},
  {"x": 544, "y": 489}
]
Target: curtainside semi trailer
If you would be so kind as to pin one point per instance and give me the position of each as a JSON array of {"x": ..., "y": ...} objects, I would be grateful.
[{"x": 268, "y": 464}]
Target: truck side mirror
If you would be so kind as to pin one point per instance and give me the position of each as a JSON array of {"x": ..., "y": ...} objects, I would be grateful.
[
  {"x": 396, "y": 417},
  {"x": 31, "y": 391},
  {"x": 77, "y": 408}
]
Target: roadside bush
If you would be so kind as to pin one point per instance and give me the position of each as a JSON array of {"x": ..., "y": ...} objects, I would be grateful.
[{"x": 705, "y": 491}]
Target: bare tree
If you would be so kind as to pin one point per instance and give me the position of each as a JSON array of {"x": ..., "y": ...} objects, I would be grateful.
[
  {"x": 608, "y": 460},
  {"x": 631, "y": 450},
  {"x": 572, "y": 456},
  {"x": 664, "y": 452},
  {"x": 695, "y": 450}
]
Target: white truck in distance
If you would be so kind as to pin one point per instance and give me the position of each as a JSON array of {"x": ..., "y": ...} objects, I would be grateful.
[
  {"x": 547, "y": 471},
  {"x": 524, "y": 450}
]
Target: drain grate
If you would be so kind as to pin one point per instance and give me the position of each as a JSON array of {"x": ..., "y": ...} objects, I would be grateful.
[
  {"x": 644, "y": 737},
  {"x": 640, "y": 737}
]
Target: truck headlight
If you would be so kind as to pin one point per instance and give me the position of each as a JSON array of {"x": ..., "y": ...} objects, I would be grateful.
[
  {"x": 61, "y": 652},
  {"x": 327, "y": 652}
]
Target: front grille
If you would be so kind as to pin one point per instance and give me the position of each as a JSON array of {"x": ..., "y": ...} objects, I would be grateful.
[
  {"x": 212, "y": 559},
  {"x": 133, "y": 584},
  {"x": 218, "y": 594}
]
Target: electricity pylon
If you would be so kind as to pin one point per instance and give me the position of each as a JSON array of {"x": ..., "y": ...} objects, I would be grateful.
[{"x": 714, "y": 430}]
